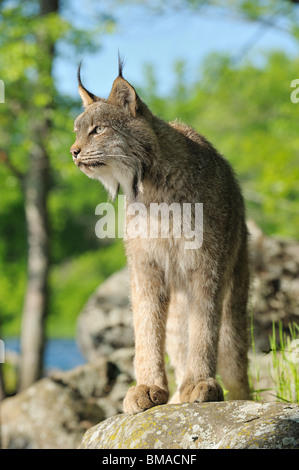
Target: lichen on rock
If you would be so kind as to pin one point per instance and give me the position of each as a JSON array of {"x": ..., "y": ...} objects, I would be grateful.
[{"x": 223, "y": 425}]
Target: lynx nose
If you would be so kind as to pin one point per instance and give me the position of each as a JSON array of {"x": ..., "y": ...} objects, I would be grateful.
[{"x": 75, "y": 152}]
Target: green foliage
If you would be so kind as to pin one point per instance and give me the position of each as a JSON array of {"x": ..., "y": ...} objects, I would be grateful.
[
  {"x": 10, "y": 374},
  {"x": 284, "y": 351},
  {"x": 283, "y": 366}
]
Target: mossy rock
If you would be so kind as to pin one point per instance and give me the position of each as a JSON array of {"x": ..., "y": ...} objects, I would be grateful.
[{"x": 222, "y": 425}]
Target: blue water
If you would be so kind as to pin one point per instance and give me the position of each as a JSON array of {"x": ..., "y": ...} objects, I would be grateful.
[{"x": 61, "y": 354}]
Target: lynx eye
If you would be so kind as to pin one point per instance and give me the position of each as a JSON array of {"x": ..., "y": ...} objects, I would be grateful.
[{"x": 98, "y": 130}]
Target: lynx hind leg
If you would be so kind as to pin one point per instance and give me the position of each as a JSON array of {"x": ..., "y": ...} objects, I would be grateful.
[
  {"x": 233, "y": 342},
  {"x": 177, "y": 339}
]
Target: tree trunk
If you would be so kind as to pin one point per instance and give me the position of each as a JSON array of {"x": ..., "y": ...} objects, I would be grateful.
[
  {"x": 36, "y": 297},
  {"x": 36, "y": 190}
]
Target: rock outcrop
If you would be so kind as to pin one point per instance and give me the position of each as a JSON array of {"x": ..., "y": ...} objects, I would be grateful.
[
  {"x": 275, "y": 283},
  {"x": 46, "y": 416},
  {"x": 55, "y": 412},
  {"x": 223, "y": 425}
]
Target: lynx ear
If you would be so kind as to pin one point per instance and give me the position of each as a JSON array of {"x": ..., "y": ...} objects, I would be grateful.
[
  {"x": 87, "y": 97},
  {"x": 124, "y": 95}
]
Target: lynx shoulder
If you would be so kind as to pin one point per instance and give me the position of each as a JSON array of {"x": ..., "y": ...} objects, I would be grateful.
[{"x": 190, "y": 302}]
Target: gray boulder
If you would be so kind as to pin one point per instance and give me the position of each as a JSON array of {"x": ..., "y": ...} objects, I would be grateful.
[
  {"x": 55, "y": 412},
  {"x": 223, "y": 425},
  {"x": 47, "y": 415},
  {"x": 275, "y": 283},
  {"x": 105, "y": 324}
]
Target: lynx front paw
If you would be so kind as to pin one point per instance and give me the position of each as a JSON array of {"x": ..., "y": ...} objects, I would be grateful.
[
  {"x": 201, "y": 391},
  {"x": 142, "y": 397}
]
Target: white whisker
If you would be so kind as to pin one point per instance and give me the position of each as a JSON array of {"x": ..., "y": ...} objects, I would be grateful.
[
  {"x": 103, "y": 156},
  {"x": 118, "y": 155}
]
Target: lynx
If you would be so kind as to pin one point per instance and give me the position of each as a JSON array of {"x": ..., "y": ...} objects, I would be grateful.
[{"x": 191, "y": 303}]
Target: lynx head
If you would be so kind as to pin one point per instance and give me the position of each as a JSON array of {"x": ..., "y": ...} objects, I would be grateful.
[{"x": 114, "y": 137}]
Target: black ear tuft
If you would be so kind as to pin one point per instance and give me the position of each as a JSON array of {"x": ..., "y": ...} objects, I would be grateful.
[
  {"x": 87, "y": 97},
  {"x": 79, "y": 75},
  {"x": 121, "y": 64}
]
